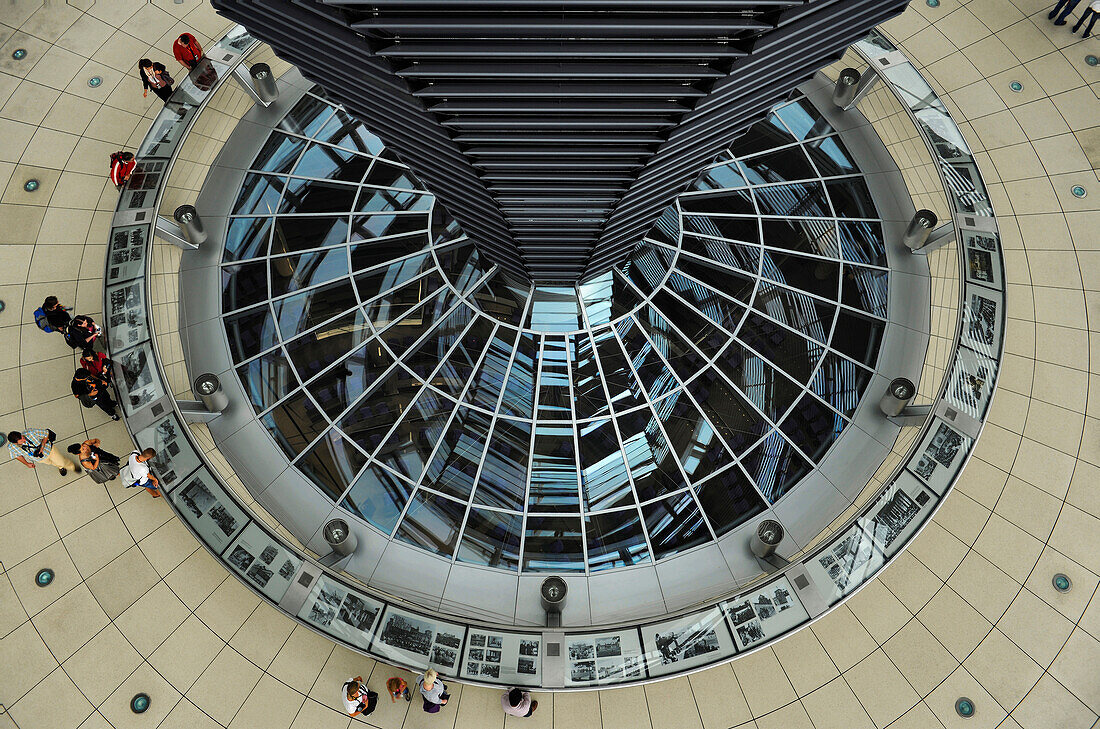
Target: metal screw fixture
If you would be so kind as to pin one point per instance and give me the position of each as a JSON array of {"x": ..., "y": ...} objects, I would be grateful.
[
  {"x": 140, "y": 703},
  {"x": 44, "y": 577},
  {"x": 95, "y": 81},
  {"x": 1062, "y": 583},
  {"x": 1079, "y": 191},
  {"x": 19, "y": 54},
  {"x": 964, "y": 707},
  {"x": 30, "y": 185},
  {"x": 1016, "y": 86},
  {"x": 1092, "y": 60}
]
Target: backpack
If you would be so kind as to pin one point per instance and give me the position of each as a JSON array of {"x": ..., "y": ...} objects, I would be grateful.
[
  {"x": 126, "y": 474},
  {"x": 41, "y": 320}
]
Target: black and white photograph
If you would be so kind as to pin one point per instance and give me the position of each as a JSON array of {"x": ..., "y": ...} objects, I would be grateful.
[
  {"x": 477, "y": 639},
  {"x": 442, "y": 656},
  {"x": 893, "y": 517},
  {"x": 268, "y": 555},
  {"x": 851, "y": 554},
  {"x": 496, "y": 641},
  {"x": 448, "y": 639},
  {"x": 749, "y": 633},
  {"x": 492, "y": 670},
  {"x": 609, "y": 669},
  {"x": 240, "y": 558},
  {"x": 982, "y": 241},
  {"x": 945, "y": 445},
  {"x": 197, "y": 498},
  {"x": 357, "y": 613},
  {"x": 768, "y": 612},
  {"x": 926, "y": 467},
  {"x": 408, "y": 634},
  {"x": 692, "y": 640},
  {"x": 332, "y": 595},
  {"x": 764, "y": 607},
  {"x": 678, "y": 645},
  {"x": 526, "y": 666},
  {"x": 136, "y": 385},
  {"x": 477, "y": 654},
  {"x": 980, "y": 265},
  {"x": 607, "y": 646},
  {"x": 983, "y": 319},
  {"x": 741, "y": 613},
  {"x": 287, "y": 570},
  {"x": 529, "y": 648},
  {"x": 581, "y": 650},
  {"x": 225, "y": 521},
  {"x": 321, "y": 613},
  {"x": 583, "y": 671},
  {"x": 260, "y": 574},
  {"x": 492, "y": 655},
  {"x": 473, "y": 668}
]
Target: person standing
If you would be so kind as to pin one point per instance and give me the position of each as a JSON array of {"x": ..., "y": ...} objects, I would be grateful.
[
  {"x": 82, "y": 333},
  {"x": 358, "y": 699},
  {"x": 1093, "y": 11},
  {"x": 432, "y": 691},
  {"x": 98, "y": 463},
  {"x": 187, "y": 51},
  {"x": 155, "y": 76},
  {"x": 35, "y": 445},
  {"x": 517, "y": 702},
  {"x": 57, "y": 315},
  {"x": 98, "y": 364},
  {"x": 1066, "y": 7},
  {"x": 138, "y": 474},
  {"x": 92, "y": 391},
  {"x": 122, "y": 166}
]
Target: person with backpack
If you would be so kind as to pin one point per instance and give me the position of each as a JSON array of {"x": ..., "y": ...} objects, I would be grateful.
[
  {"x": 432, "y": 691},
  {"x": 155, "y": 76},
  {"x": 52, "y": 316},
  {"x": 358, "y": 699},
  {"x": 122, "y": 167},
  {"x": 187, "y": 51},
  {"x": 398, "y": 688},
  {"x": 136, "y": 472},
  {"x": 36, "y": 444},
  {"x": 98, "y": 463},
  {"x": 98, "y": 364},
  {"x": 517, "y": 702},
  {"x": 92, "y": 391},
  {"x": 82, "y": 333}
]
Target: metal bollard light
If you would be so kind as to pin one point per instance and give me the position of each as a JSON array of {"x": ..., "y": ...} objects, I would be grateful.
[
  {"x": 768, "y": 535},
  {"x": 264, "y": 83},
  {"x": 552, "y": 594},
  {"x": 897, "y": 397},
  {"x": 846, "y": 84},
  {"x": 338, "y": 536},
  {"x": 209, "y": 389},
  {"x": 190, "y": 224},
  {"x": 920, "y": 227}
]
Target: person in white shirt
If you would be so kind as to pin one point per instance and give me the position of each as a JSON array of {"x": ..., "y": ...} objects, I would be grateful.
[
  {"x": 358, "y": 699},
  {"x": 517, "y": 702},
  {"x": 138, "y": 464}
]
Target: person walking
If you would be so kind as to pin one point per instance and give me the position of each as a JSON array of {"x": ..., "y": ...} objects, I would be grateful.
[
  {"x": 57, "y": 314},
  {"x": 187, "y": 51},
  {"x": 98, "y": 463},
  {"x": 517, "y": 702},
  {"x": 137, "y": 472},
  {"x": 1093, "y": 11},
  {"x": 92, "y": 391},
  {"x": 155, "y": 76},
  {"x": 82, "y": 333},
  {"x": 432, "y": 691},
  {"x": 35, "y": 445},
  {"x": 1065, "y": 7},
  {"x": 358, "y": 699},
  {"x": 98, "y": 364},
  {"x": 122, "y": 166}
]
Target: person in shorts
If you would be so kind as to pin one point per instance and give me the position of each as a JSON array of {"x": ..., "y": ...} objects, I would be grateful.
[
  {"x": 140, "y": 475},
  {"x": 358, "y": 699}
]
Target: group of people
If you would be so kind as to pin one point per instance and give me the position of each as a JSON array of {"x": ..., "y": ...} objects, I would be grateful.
[
  {"x": 92, "y": 380},
  {"x": 1062, "y": 10},
  {"x": 361, "y": 701}
]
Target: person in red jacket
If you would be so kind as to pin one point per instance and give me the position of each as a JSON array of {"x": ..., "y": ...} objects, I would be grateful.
[
  {"x": 122, "y": 166},
  {"x": 187, "y": 50}
]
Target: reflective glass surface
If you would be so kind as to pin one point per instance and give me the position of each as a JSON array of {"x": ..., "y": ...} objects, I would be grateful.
[{"x": 550, "y": 428}]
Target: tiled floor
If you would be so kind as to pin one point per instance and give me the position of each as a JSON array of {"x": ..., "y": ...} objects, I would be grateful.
[{"x": 969, "y": 609}]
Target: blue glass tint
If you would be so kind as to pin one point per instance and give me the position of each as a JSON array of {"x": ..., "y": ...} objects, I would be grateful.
[
  {"x": 293, "y": 234},
  {"x": 766, "y": 387},
  {"x": 811, "y": 317},
  {"x": 775, "y": 467},
  {"x": 308, "y": 116},
  {"x": 553, "y": 544},
  {"x": 554, "y": 470},
  {"x": 324, "y": 162},
  {"x": 279, "y": 153},
  {"x": 305, "y": 197},
  {"x": 812, "y": 426},
  {"x": 607, "y": 297},
  {"x": 692, "y": 438},
  {"x": 491, "y": 538},
  {"x": 622, "y": 387},
  {"x": 604, "y": 481},
  {"x": 433, "y": 523},
  {"x": 841, "y": 383},
  {"x": 615, "y": 539},
  {"x": 267, "y": 379},
  {"x": 831, "y": 157},
  {"x": 684, "y": 359},
  {"x": 377, "y": 496},
  {"x": 455, "y": 372},
  {"x": 519, "y": 393},
  {"x": 368, "y": 422},
  {"x": 851, "y": 198},
  {"x": 783, "y": 348},
  {"x": 302, "y": 311},
  {"x": 554, "y": 395},
  {"x": 504, "y": 475},
  {"x": 861, "y": 242},
  {"x": 295, "y": 423},
  {"x": 410, "y": 445},
  {"x": 803, "y": 119},
  {"x": 650, "y": 368},
  {"x": 589, "y": 400},
  {"x": 727, "y": 410},
  {"x": 396, "y": 303},
  {"x": 675, "y": 524},
  {"x": 648, "y": 265},
  {"x": 652, "y": 462},
  {"x": 729, "y": 500},
  {"x": 389, "y": 276},
  {"x": 555, "y": 309},
  {"x": 454, "y": 466},
  {"x": 250, "y": 332},
  {"x": 720, "y": 177},
  {"x": 484, "y": 389},
  {"x": 503, "y": 298},
  {"x": 814, "y": 275},
  {"x": 290, "y": 273},
  {"x": 708, "y": 302},
  {"x": 866, "y": 289},
  {"x": 420, "y": 322},
  {"x": 730, "y": 283},
  {"x": 259, "y": 194},
  {"x": 343, "y": 384},
  {"x": 425, "y": 358},
  {"x": 246, "y": 238},
  {"x": 332, "y": 463},
  {"x": 380, "y": 201}
]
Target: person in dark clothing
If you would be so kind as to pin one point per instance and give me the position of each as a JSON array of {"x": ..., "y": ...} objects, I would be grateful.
[
  {"x": 93, "y": 392},
  {"x": 98, "y": 463},
  {"x": 155, "y": 76},
  {"x": 1065, "y": 7},
  {"x": 1093, "y": 12},
  {"x": 187, "y": 51},
  {"x": 57, "y": 316},
  {"x": 122, "y": 167},
  {"x": 98, "y": 364},
  {"x": 82, "y": 333}
]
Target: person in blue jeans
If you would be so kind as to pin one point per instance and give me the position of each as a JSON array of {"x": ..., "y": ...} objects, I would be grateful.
[
  {"x": 1066, "y": 7},
  {"x": 1093, "y": 12}
]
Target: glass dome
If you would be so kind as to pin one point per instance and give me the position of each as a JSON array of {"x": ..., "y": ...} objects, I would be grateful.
[{"x": 548, "y": 428}]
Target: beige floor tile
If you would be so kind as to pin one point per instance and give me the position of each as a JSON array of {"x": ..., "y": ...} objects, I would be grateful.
[
  {"x": 69, "y": 623},
  {"x": 162, "y": 698},
  {"x": 54, "y": 703},
  {"x": 186, "y": 653},
  {"x": 1077, "y": 535},
  {"x": 77, "y": 503},
  {"x": 34, "y": 598},
  {"x": 223, "y": 686},
  {"x": 954, "y": 622},
  {"x": 625, "y": 708},
  {"x": 1071, "y": 604},
  {"x": 910, "y": 581},
  {"x": 791, "y": 716},
  {"x": 480, "y": 709},
  {"x": 185, "y": 715},
  {"x": 1051, "y": 704},
  {"x": 765, "y": 686},
  {"x": 919, "y": 717},
  {"x": 262, "y": 635},
  {"x": 1019, "y": 621},
  {"x": 1012, "y": 549},
  {"x": 719, "y": 697},
  {"x": 20, "y": 484},
  {"x": 922, "y": 659},
  {"x": 95, "y": 544},
  {"x": 12, "y": 614},
  {"x": 834, "y": 706},
  {"x": 1075, "y": 668},
  {"x": 1003, "y": 669},
  {"x": 196, "y": 577},
  {"x": 987, "y": 713},
  {"x": 963, "y": 517},
  {"x": 341, "y": 665},
  {"x": 142, "y": 516},
  {"x": 984, "y": 586},
  {"x": 270, "y": 705},
  {"x": 301, "y": 658},
  {"x": 226, "y": 609},
  {"x": 671, "y": 703},
  {"x": 881, "y": 688},
  {"x": 844, "y": 638},
  {"x": 938, "y": 549},
  {"x": 23, "y": 647},
  {"x": 880, "y": 612},
  {"x": 169, "y": 545},
  {"x": 578, "y": 709},
  {"x": 315, "y": 716},
  {"x": 102, "y": 664},
  {"x": 150, "y": 620}
]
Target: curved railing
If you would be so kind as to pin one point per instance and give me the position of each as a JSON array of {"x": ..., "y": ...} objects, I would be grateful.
[{"x": 275, "y": 567}]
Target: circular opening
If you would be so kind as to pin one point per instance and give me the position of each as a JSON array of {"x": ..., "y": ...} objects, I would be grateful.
[
  {"x": 964, "y": 707},
  {"x": 554, "y": 589},
  {"x": 44, "y": 577},
  {"x": 770, "y": 532},
  {"x": 336, "y": 531},
  {"x": 1016, "y": 86},
  {"x": 140, "y": 703},
  {"x": 1062, "y": 583},
  {"x": 19, "y": 54},
  {"x": 932, "y": 3},
  {"x": 30, "y": 185},
  {"x": 1091, "y": 60},
  {"x": 95, "y": 81},
  {"x": 1079, "y": 191}
]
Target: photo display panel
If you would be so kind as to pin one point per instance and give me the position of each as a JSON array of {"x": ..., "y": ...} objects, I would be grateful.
[
  {"x": 126, "y": 324},
  {"x": 175, "y": 458},
  {"x": 983, "y": 259},
  {"x": 341, "y": 612},
  {"x": 497, "y": 656},
  {"x": 845, "y": 564},
  {"x": 939, "y": 456},
  {"x": 766, "y": 613},
  {"x": 209, "y": 510},
  {"x": 970, "y": 386},
  {"x": 893, "y": 517},
  {"x": 603, "y": 658},
  {"x": 126, "y": 253},
  {"x": 419, "y": 641},
  {"x": 136, "y": 378},
  {"x": 263, "y": 561},
  {"x": 983, "y": 318},
  {"x": 693, "y": 640}
]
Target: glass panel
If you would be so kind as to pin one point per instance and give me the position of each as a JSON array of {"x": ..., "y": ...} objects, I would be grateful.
[
  {"x": 243, "y": 284},
  {"x": 728, "y": 500},
  {"x": 290, "y": 273},
  {"x": 674, "y": 525},
  {"x": 851, "y": 198},
  {"x": 456, "y": 371},
  {"x": 554, "y": 393},
  {"x": 813, "y": 275},
  {"x": 589, "y": 399},
  {"x": 386, "y": 309},
  {"x": 740, "y": 229},
  {"x": 708, "y": 302},
  {"x": 295, "y": 423},
  {"x": 250, "y": 332},
  {"x": 246, "y": 238},
  {"x": 267, "y": 379},
  {"x": 779, "y": 166},
  {"x": 815, "y": 237},
  {"x": 384, "y": 278},
  {"x": 652, "y": 372},
  {"x": 858, "y": 337},
  {"x": 259, "y": 194},
  {"x": 795, "y": 355},
  {"x": 302, "y": 233},
  {"x": 622, "y": 386},
  {"x": 307, "y": 116},
  {"x": 378, "y": 497},
  {"x": 841, "y": 382},
  {"x": 368, "y": 227},
  {"x": 691, "y": 438},
  {"x": 332, "y": 463},
  {"x": 803, "y": 119},
  {"x": 492, "y": 539},
  {"x": 652, "y": 463},
  {"x": 454, "y": 466},
  {"x": 302, "y": 311},
  {"x": 867, "y": 289},
  {"x": 343, "y": 384},
  {"x": 615, "y": 539},
  {"x": 553, "y": 544},
  {"x": 768, "y": 389},
  {"x": 811, "y": 317},
  {"x": 434, "y": 348},
  {"x": 603, "y": 471},
  {"x": 485, "y": 387},
  {"x": 382, "y": 201},
  {"x": 722, "y": 176},
  {"x": 553, "y": 470},
  {"x": 739, "y": 256},
  {"x": 647, "y": 266},
  {"x": 324, "y": 162},
  {"x": 314, "y": 351},
  {"x": 504, "y": 475},
  {"x": 861, "y": 242},
  {"x": 304, "y": 196},
  {"x": 775, "y": 467},
  {"x": 681, "y": 356},
  {"x": 554, "y": 309},
  {"x": 369, "y": 421},
  {"x": 432, "y": 523},
  {"x": 519, "y": 393},
  {"x": 730, "y": 283},
  {"x": 813, "y": 427},
  {"x": 410, "y": 445},
  {"x": 831, "y": 157},
  {"x": 729, "y": 201},
  {"x": 727, "y": 410}
]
